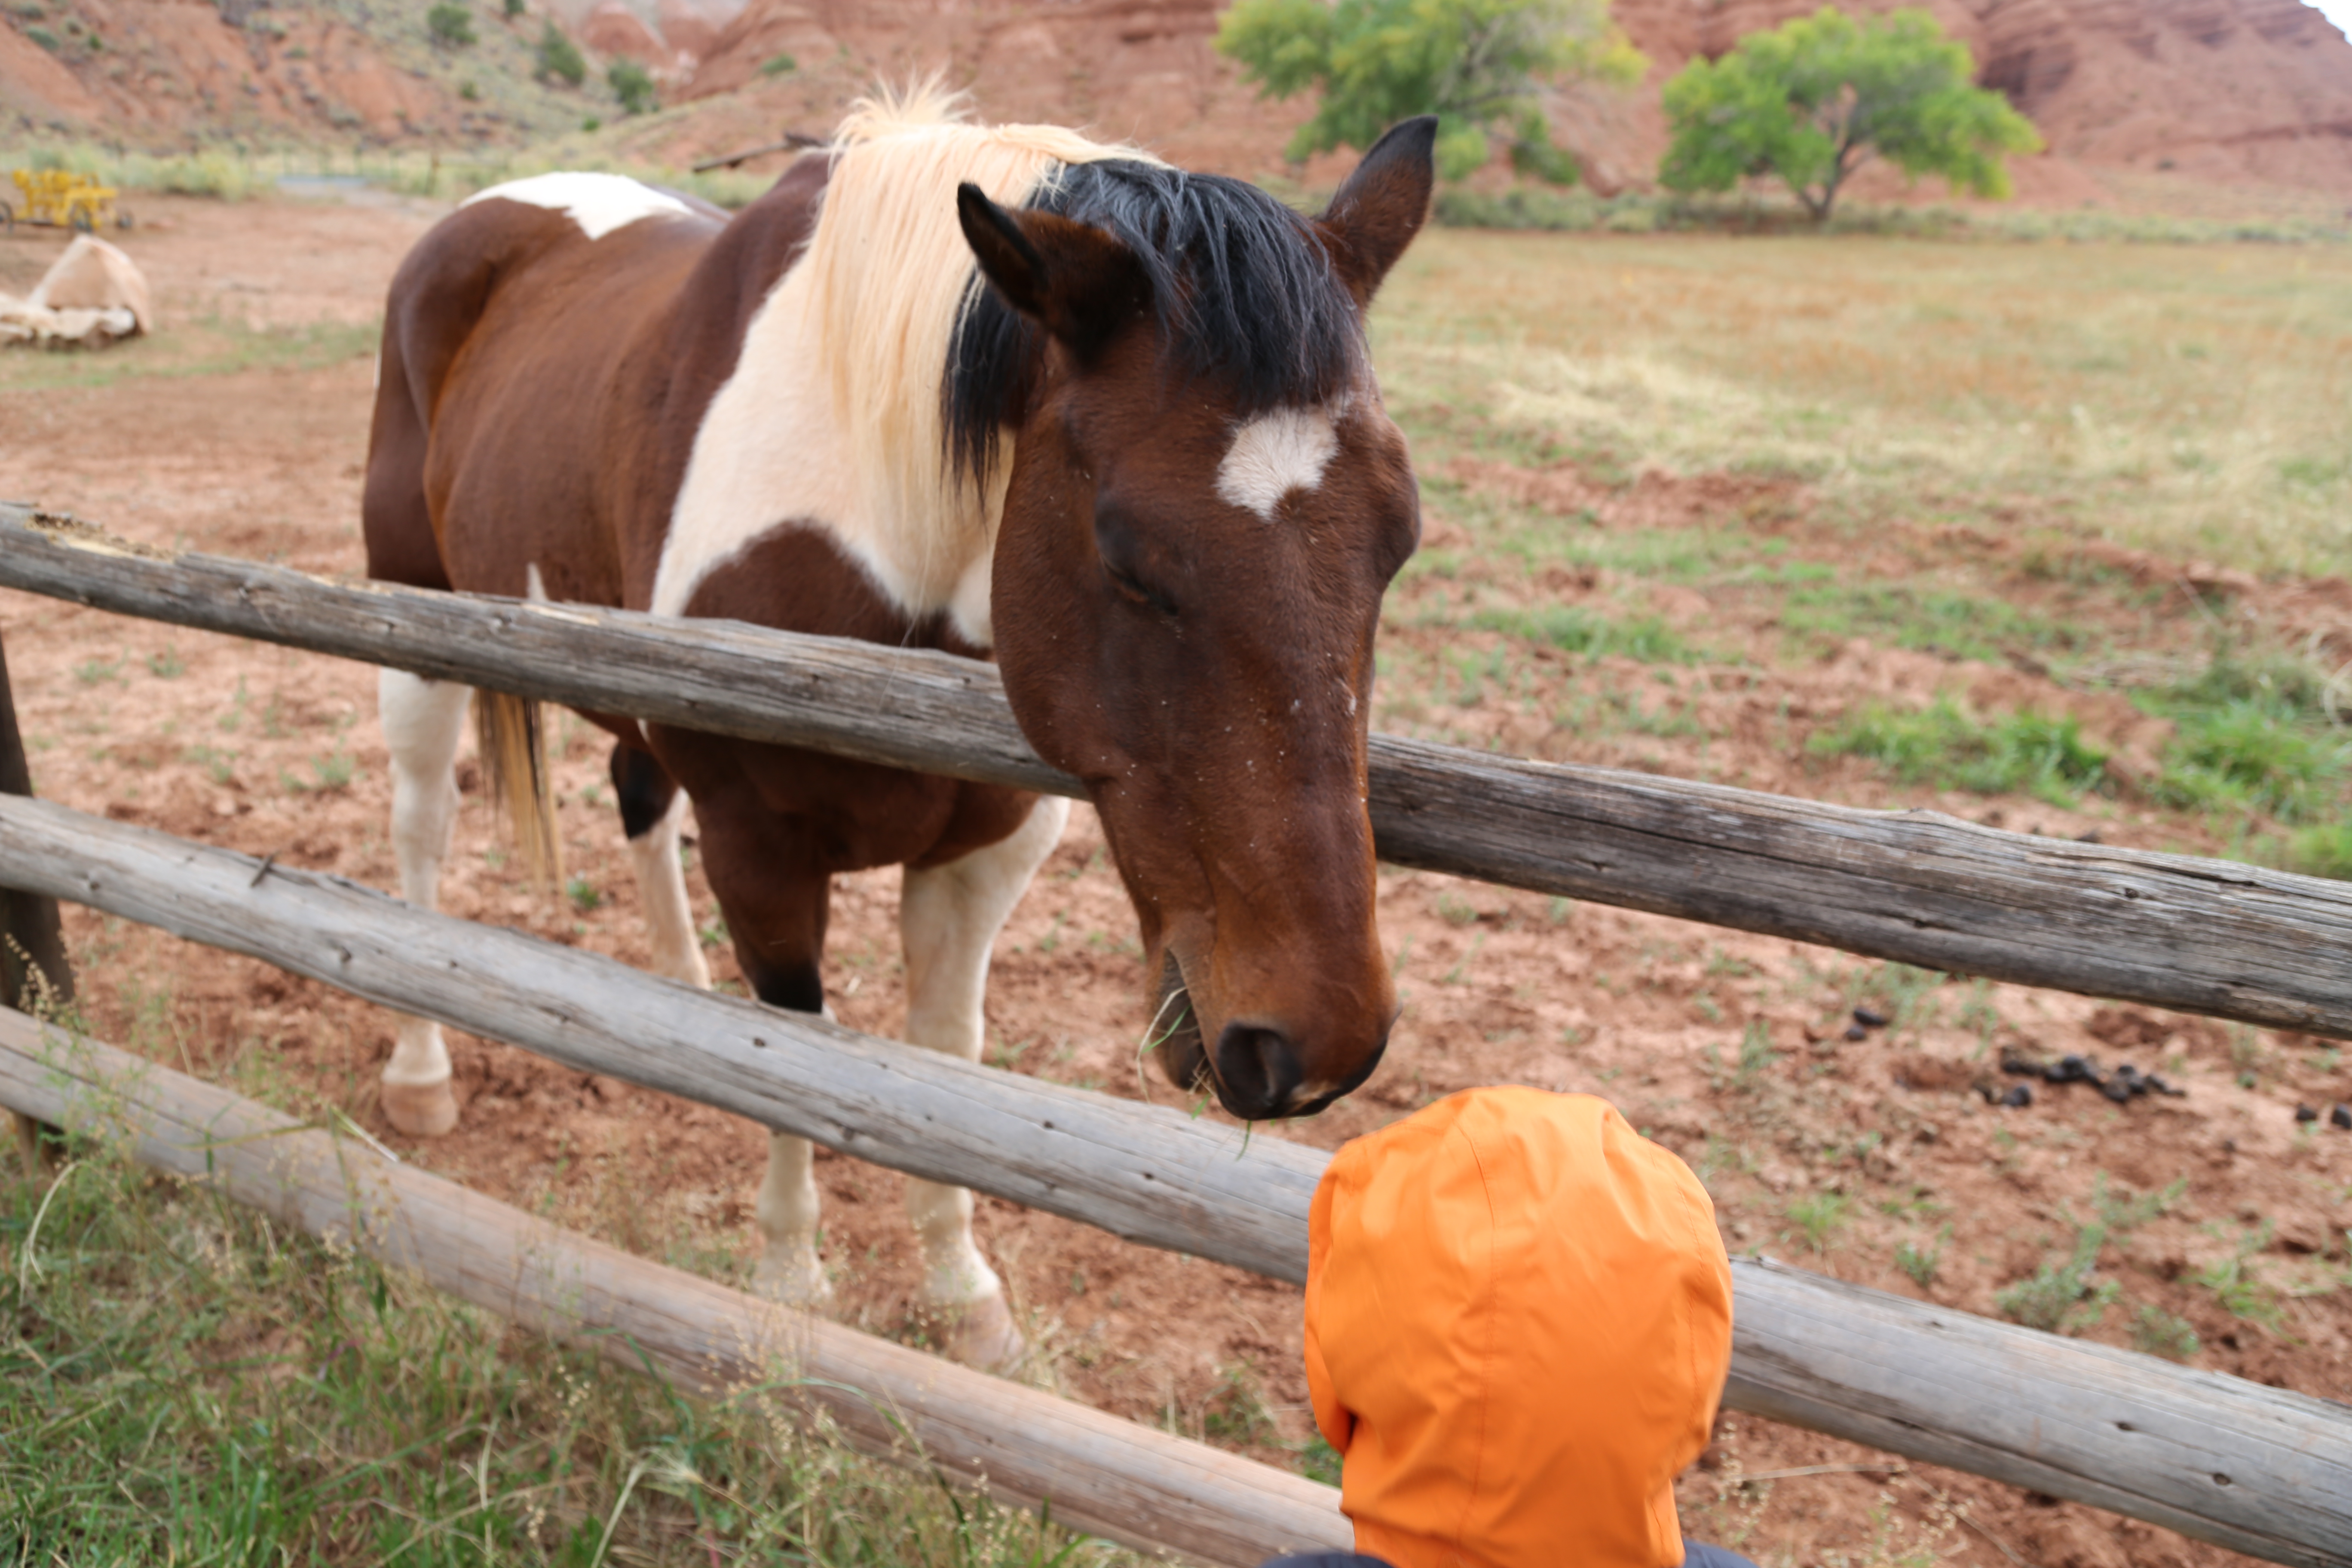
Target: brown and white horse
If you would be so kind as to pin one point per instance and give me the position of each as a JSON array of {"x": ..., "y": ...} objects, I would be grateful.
[{"x": 1136, "y": 452}]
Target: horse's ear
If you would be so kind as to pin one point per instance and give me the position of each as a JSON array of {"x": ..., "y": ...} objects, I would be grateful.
[
  {"x": 1077, "y": 282},
  {"x": 1381, "y": 205}
]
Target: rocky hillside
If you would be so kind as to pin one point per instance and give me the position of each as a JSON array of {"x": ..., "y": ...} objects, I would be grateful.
[
  {"x": 2214, "y": 92},
  {"x": 2221, "y": 90},
  {"x": 160, "y": 73}
]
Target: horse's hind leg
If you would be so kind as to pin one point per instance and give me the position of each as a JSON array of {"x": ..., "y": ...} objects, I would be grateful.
[
  {"x": 652, "y": 809},
  {"x": 948, "y": 917},
  {"x": 423, "y": 720}
]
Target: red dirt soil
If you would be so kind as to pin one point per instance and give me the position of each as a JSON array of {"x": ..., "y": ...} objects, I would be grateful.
[{"x": 273, "y": 752}]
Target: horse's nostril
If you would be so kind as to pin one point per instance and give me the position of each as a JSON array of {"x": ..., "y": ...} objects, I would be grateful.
[{"x": 1258, "y": 1069}]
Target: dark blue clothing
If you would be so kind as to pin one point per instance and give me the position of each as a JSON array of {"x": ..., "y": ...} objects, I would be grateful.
[
  {"x": 1697, "y": 1556},
  {"x": 1694, "y": 1556}
]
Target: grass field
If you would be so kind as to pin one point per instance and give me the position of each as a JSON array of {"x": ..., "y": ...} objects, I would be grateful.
[
  {"x": 182, "y": 1380},
  {"x": 2195, "y": 400},
  {"x": 1992, "y": 454}
]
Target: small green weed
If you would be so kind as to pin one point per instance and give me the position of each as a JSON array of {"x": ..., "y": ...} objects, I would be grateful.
[
  {"x": 2159, "y": 1332},
  {"x": 1922, "y": 1265},
  {"x": 1961, "y": 626},
  {"x": 1456, "y": 911},
  {"x": 219, "y": 765},
  {"x": 1574, "y": 629},
  {"x": 2242, "y": 1292},
  {"x": 1944, "y": 747},
  {"x": 583, "y": 894},
  {"x": 1819, "y": 1216},
  {"x": 1237, "y": 1414},
  {"x": 2120, "y": 1209},
  {"x": 331, "y": 772},
  {"x": 167, "y": 664},
  {"x": 2063, "y": 1298}
]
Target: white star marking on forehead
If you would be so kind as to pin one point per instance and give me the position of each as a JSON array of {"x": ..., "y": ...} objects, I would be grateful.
[{"x": 1277, "y": 453}]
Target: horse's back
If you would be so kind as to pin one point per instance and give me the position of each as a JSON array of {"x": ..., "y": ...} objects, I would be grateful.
[{"x": 531, "y": 342}]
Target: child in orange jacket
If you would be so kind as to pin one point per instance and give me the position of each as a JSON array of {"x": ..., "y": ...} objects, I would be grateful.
[{"x": 1519, "y": 1320}]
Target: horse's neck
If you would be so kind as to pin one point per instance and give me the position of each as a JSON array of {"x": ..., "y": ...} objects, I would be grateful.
[{"x": 772, "y": 452}]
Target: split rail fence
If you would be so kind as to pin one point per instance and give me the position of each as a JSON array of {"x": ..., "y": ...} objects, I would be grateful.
[{"x": 2259, "y": 1470}]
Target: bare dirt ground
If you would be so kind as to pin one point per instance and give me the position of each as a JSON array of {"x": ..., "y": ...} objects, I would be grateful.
[{"x": 1732, "y": 1049}]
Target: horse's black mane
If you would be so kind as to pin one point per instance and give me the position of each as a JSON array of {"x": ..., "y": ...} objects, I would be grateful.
[{"x": 1246, "y": 295}]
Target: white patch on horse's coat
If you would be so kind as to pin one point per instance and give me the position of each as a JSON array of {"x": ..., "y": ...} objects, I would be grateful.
[
  {"x": 949, "y": 918},
  {"x": 767, "y": 456},
  {"x": 599, "y": 204},
  {"x": 1284, "y": 450},
  {"x": 534, "y": 587},
  {"x": 833, "y": 419}
]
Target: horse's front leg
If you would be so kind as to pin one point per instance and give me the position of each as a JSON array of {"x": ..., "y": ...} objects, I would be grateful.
[
  {"x": 948, "y": 917},
  {"x": 775, "y": 902}
]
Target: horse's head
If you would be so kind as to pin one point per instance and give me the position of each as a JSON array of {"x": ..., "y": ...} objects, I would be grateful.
[{"x": 1206, "y": 502}]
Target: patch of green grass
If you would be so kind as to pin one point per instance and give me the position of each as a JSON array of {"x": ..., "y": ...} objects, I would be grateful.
[
  {"x": 1818, "y": 1217},
  {"x": 2242, "y": 1292},
  {"x": 1575, "y": 629},
  {"x": 1959, "y": 626},
  {"x": 1944, "y": 747},
  {"x": 2120, "y": 1209},
  {"x": 1318, "y": 1461},
  {"x": 204, "y": 348},
  {"x": 2323, "y": 851},
  {"x": 1922, "y": 1265},
  {"x": 2063, "y": 1298},
  {"x": 183, "y": 1380},
  {"x": 1237, "y": 1414},
  {"x": 583, "y": 894},
  {"x": 2159, "y": 1333}
]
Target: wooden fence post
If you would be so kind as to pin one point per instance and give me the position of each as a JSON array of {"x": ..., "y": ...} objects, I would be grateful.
[{"x": 34, "y": 974}]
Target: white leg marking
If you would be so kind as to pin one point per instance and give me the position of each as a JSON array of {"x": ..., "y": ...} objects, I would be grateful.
[
  {"x": 949, "y": 918},
  {"x": 661, "y": 884},
  {"x": 423, "y": 720},
  {"x": 788, "y": 1212},
  {"x": 1279, "y": 451}
]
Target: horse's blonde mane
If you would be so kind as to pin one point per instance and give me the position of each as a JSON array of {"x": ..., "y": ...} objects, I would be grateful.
[{"x": 887, "y": 271}]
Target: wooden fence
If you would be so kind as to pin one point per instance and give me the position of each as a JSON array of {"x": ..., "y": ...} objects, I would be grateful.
[
  {"x": 2169, "y": 931},
  {"x": 2258, "y": 1469},
  {"x": 1140, "y": 1488}
]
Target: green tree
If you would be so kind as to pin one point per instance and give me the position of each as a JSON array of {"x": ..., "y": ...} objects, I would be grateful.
[
  {"x": 634, "y": 85},
  {"x": 451, "y": 24},
  {"x": 559, "y": 56},
  {"x": 1480, "y": 66},
  {"x": 1813, "y": 99}
]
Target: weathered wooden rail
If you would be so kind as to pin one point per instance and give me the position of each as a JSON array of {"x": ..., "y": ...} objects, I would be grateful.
[
  {"x": 1111, "y": 1476},
  {"x": 2259, "y": 1470},
  {"x": 2169, "y": 931}
]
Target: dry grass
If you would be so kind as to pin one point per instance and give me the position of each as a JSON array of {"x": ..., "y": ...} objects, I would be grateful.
[{"x": 2196, "y": 401}]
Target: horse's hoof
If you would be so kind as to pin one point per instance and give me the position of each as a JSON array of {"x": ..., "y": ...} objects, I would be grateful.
[
  {"x": 980, "y": 1334},
  {"x": 799, "y": 1284},
  {"x": 420, "y": 1109}
]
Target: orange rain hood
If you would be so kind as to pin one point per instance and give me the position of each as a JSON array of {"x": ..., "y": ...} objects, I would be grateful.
[{"x": 1519, "y": 1320}]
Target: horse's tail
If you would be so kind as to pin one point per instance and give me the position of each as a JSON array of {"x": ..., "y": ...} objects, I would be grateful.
[{"x": 511, "y": 738}]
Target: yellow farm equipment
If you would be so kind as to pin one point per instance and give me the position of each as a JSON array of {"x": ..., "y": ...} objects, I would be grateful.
[{"x": 52, "y": 198}]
